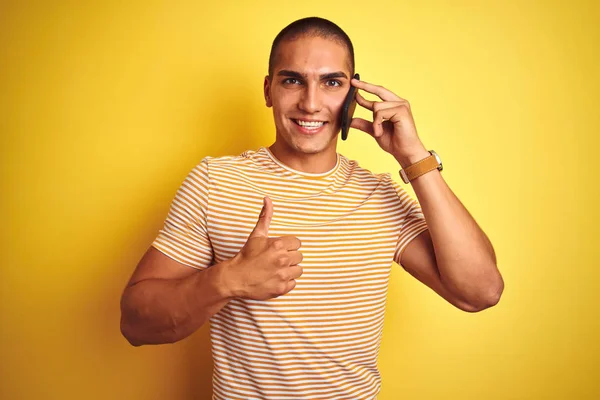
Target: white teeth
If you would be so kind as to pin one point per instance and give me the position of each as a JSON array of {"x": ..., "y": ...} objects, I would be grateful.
[{"x": 311, "y": 124}]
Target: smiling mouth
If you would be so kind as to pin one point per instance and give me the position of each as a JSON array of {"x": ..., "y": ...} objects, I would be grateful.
[{"x": 309, "y": 124}]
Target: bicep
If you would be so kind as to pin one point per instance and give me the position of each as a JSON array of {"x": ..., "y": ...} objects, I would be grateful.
[
  {"x": 418, "y": 259},
  {"x": 156, "y": 265}
]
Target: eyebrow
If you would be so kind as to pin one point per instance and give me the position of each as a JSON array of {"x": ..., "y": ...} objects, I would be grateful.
[{"x": 294, "y": 74}]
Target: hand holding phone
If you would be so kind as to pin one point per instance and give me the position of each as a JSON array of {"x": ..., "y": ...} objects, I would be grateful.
[{"x": 348, "y": 109}]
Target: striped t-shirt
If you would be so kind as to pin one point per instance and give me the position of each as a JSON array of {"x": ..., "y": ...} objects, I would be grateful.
[{"x": 321, "y": 340}]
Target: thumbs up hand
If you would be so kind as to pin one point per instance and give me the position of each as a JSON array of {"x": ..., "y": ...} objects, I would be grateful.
[{"x": 265, "y": 267}]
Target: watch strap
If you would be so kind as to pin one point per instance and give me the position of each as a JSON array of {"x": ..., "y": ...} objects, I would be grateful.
[{"x": 421, "y": 167}]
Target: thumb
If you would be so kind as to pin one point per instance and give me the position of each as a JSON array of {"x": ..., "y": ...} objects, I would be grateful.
[
  {"x": 362, "y": 125},
  {"x": 264, "y": 219}
]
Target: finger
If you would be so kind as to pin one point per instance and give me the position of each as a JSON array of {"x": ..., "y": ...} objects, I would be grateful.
[
  {"x": 295, "y": 272},
  {"x": 362, "y": 125},
  {"x": 290, "y": 286},
  {"x": 384, "y": 105},
  {"x": 387, "y": 114},
  {"x": 290, "y": 243},
  {"x": 295, "y": 257},
  {"x": 368, "y": 104},
  {"x": 383, "y": 93},
  {"x": 377, "y": 105},
  {"x": 378, "y": 119},
  {"x": 377, "y": 126},
  {"x": 264, "y": 219},
  {"x": 381, "y": 116}
]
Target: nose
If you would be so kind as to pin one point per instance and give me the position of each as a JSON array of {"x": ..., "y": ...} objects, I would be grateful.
[{"x": 311, "y": 101}]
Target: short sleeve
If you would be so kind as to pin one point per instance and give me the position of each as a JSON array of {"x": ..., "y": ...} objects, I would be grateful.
[
  {"x": 413, "y": 220},
  {"x": 184, "y": 236}
]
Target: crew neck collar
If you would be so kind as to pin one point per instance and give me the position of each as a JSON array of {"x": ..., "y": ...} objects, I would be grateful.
[{"x": 306, "y": 174}]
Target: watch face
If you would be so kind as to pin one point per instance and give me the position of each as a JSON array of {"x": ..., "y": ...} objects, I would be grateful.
[
  {"x": 403, "y": 176},
  {"x": 437, "y": 157}
]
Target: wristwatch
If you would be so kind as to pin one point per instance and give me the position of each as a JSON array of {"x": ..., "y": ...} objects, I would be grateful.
[{"x": 421, "y": 167}]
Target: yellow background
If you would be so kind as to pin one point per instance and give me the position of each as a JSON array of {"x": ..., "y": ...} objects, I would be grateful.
[{"x": 105, "y": 107}]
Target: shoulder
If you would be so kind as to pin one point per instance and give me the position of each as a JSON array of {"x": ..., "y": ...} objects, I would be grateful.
[
  {"x": 210, "y": 164},
  {"x": 366, "y": 176},
  {"x": 227, "y": 160}
]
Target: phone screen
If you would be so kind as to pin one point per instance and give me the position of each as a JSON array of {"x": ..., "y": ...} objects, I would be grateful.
[{"x": 348, "y": 109}]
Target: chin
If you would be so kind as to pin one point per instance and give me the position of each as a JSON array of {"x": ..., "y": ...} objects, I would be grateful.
[
  {"x": 308, "y": 148},
  {"x": 311, "y": 148}
]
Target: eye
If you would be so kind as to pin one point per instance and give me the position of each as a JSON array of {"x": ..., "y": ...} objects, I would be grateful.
[
  {"x": 333, "y": 82},
  {"x": 291, "y": 81}
]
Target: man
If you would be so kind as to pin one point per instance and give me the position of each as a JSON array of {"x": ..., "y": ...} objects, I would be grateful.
[{"x": 296, "y": 298}]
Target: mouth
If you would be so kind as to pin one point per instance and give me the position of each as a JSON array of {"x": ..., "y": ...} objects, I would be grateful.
[{"x": 309, "y": 126}]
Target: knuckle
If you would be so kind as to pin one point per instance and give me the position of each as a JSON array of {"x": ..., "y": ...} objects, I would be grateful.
[
  {"x": 277, "y": 244},
  {"x": 281, "y": 288},
  {"x": 282, "y": 261},
  {"x": 280, "y": 274}
]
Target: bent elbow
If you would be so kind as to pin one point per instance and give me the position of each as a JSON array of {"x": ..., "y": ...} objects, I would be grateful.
[
  {"x": 127, "y": 333},
  {"x": 487, "y": 301},
  {"x": 496, "y": 292},
  {"x": 138, "y": 336}
]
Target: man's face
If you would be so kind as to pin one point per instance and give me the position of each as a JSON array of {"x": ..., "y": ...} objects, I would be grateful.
[{"x": 311, "y": 78}]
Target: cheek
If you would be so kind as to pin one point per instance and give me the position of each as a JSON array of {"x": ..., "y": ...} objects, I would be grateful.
[
  {"x": 335, "y": 103},
  {"x": 337, "y": 95},
  {"x": 284, "y": 103}
]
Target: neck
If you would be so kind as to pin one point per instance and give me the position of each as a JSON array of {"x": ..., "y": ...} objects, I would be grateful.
[{"x": 312, "y": 163}]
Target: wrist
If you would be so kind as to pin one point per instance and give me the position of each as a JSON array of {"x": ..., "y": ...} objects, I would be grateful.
[
  {"x": 409, "y": 159},
  {"x": 225, "y": 281}
]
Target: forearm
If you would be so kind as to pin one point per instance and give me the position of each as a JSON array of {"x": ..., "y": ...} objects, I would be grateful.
[
  {"x": 464, "y": 255},
  {"x": 157, "y": 311}
]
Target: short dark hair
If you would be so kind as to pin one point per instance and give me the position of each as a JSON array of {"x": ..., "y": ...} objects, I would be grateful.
[{"x": 315, "y": 27}]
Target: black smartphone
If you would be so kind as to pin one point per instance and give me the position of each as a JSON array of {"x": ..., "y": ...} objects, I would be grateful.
[{"x": 348, "y": 109}]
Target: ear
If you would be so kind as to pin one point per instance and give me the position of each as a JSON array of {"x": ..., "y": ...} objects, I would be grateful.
[{"x": 267, "y": 91}]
